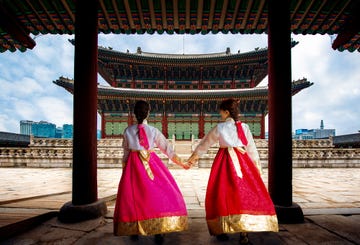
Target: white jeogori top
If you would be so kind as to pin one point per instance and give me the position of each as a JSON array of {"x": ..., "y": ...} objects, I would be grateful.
[
  {"x": 226, "y": 134},
  {"x": 154, "y": 136}
]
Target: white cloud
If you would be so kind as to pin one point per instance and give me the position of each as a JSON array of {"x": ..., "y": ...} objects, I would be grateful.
[
  {"x": 55, "y": 110},
  {"x": 27, "y": 91}
]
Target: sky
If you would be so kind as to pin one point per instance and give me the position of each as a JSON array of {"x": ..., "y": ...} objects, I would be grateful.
[{"x": 27, "y": 91}]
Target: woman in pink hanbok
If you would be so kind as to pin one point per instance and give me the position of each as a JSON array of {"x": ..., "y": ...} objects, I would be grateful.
[
  {"x": 237, "y": 200},
  {"x": 149, "y": 201}
]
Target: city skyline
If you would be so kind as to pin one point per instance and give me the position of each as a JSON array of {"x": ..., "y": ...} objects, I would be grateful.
[{"x": 28, "y": 92}]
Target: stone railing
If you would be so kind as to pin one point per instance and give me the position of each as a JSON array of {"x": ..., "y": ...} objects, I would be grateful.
[
  {"x": 306, "y": 153},
  {"x": 58, "y": 153}
]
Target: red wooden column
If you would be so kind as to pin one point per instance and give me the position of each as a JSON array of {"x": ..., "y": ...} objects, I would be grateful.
[
  {"x": 85, "y": 204},
  {"x": 280, "y": 133},
  {"x": 201, "y": 126},
  {"x": 103, "y": 122},
  {"x": 262, "y": 126},
  {"x": 164, "y": 121}
]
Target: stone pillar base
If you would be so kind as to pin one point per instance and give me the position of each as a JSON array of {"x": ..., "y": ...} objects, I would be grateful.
[
  {"x": 289, "y": 215},
  {"x": 70, "y": 213}
]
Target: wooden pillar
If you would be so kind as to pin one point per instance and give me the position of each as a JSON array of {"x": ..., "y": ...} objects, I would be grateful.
[
  {"x": 103, "y": 124},
  {"x": 262, "y": 126},
  {"x": 164, "y": 122},
  {"x": 85, "y": 204},
  {"x": 201, "y": 121},
  {"x": 280, "y": 133}
]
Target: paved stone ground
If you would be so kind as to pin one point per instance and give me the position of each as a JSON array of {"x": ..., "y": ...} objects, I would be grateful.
[{"x": 330, "y": 199}]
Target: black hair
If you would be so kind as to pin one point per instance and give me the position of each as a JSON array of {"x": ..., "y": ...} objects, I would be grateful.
[
  {"x": 141, "y": 110},
  {"x": 232, "y": 106}
]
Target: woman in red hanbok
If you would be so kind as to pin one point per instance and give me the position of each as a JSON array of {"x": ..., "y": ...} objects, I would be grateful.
[
  {"x": 237, "y": 200},
  {"x": 149, "y": 201}
]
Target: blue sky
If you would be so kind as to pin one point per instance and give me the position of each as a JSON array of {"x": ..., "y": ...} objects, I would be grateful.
[{"x": 27, "y": 90}]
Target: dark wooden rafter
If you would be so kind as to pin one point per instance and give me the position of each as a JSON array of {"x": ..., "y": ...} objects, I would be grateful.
[
  {"x": 179, "y": 16},
  {"x": 211, "y": 14},
  {"x": 53, "y": 22},
  {"x": 106, "y": 15},
  {"x": 59, "y": 16},
  {"x": 15, "y": 29},
  {"x": 295, "y": 11},
  {"x": 305, "y": 14},
  {"x": 163, "y": 14},
  {"x": 68, "y": 10},
  {"x": 187, "y": 14},
  {"x": 114, "y": 5},
  {"x": 38, "y": 17},
  {"x": 152, "y": 14},
  {"x": 129, "y": 14},
  {"x": 247, "y": 14},
  {"x": 235, "y": 14},
  {"x": 326, "y": 15},
  {"x": 176, "y": 13},
  {"x": 316, "y": 14},
  {"x": 199, "y": 14},
  {"x": 350, "y": 29},
  {"x": 141, "y": 15},
  {"x": 223, "y": 14},
  {"x": 258, "y": 15},
  {"x": 332, "y": 23}
]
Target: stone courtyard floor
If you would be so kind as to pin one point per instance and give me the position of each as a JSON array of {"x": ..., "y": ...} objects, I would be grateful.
[{"x": 31, "y": 197}]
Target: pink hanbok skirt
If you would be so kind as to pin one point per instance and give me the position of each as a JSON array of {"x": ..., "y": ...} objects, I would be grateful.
[
  {"x": 148, "y": 200},
  {"x": 237, "y": 200}
]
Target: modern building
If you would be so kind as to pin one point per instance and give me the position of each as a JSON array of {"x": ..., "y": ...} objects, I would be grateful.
[
  {"x": 38, "y": 129},
  {"x": 67, "y": 132},
  {"x": 184, "y": 90},
  {"x": 309, "y": 134},
  {"x": 25, "y": 127},
  {"x": 43, "y": 129}
]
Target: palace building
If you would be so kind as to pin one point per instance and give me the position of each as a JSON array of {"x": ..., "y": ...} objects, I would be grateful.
[{"x": 184, "y": 90}]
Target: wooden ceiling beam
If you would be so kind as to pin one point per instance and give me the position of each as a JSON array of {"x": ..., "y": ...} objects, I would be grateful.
[
  {"x": 223, "y": 14},
  {"x": 59, "y": 15},
  {"x": 305, "y": 14},
  {"x": 68, "y": 10},
  {"x": 152, "y": 14},
  {"x": 350, "y": 29},
  {"x": 326, "y": 15},
  {"x": 247, "y": 13},
  {"x": 176, "y": 14},
  {"x": 236, "y": 11},
  {"x": 141, "y": 15},
  {"x": 163, "y": 14},
  {"x": 339, "y": 14},
  {"x": 116, "y": 9},
  {"x": 49, "y": 16},
  {"x": 106, "y": 15},
  {"x": 258, "y": 15},
  {"x": 187, "y": 14},
  {"x": 128, "y": 13},
  {"x": 200, "y": 10},
  {"x": 12, "y": 26},
  {"x": 211, "y": 14},
  {"x": 36, "y": 13}
]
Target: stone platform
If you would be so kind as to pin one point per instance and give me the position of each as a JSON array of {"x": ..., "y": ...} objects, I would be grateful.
[{"x": 31, "y": 197}]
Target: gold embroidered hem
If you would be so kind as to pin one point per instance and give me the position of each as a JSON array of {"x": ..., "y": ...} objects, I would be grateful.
[
  {"x": 242, "y": 223},
  {"x": 151, "y": 226}
]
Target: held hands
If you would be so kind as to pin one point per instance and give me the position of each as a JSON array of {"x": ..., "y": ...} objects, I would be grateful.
[
  {"x": 176, "y": 159},
  {"x": 192, "y": 159}
]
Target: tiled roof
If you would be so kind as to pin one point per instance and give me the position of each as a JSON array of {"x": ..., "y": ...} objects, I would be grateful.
[
  {"x": 162, "y": 94},
  {"x": 20, "y": 18}
]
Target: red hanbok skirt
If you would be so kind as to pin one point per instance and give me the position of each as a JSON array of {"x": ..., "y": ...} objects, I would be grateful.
[
  {"x": 148, "y": 200},
  {"x": 237, "y": 204}
]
